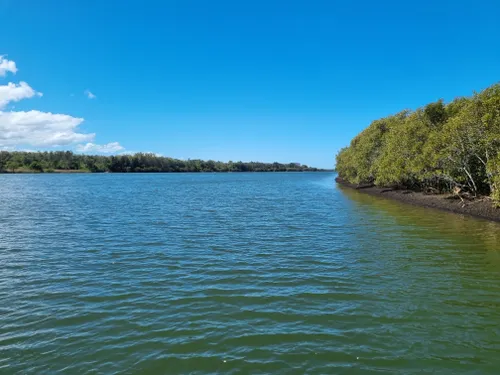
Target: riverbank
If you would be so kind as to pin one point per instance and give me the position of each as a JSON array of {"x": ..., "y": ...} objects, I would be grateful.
[
  {"x": 481, "y": 207},
  {"x": 32, "y": 171},
  {"x": 80, "y": 171},
  {"x": 126, "y": 163}
]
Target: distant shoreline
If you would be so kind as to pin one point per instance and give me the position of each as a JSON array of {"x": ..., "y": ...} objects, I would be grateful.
[
  {"x": 481, "y": 208},
  {"x": 76, "y": 171},
  {"x": 68, "y": 162}
]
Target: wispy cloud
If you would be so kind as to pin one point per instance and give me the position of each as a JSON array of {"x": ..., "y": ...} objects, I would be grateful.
[
  {"x": 13, "y": 92},
  {"x": 108, "y": 148},
  {"x": 7, "y": 66},
  {"x": 89, "y": 94}
]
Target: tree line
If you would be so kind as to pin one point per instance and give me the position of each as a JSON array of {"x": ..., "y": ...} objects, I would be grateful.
[
  {"x": 439, "y": 146},
  {"x": 139, "y": 162}
]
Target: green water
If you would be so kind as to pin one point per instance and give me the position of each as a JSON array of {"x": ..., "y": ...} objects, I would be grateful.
[{"x": 239, "y": 274}]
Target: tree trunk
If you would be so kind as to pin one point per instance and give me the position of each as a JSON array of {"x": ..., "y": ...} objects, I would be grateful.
[{"x": 472, "y": 180}]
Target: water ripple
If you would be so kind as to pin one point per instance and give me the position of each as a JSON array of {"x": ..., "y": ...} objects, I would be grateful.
[{"x": 239, "y": 274}]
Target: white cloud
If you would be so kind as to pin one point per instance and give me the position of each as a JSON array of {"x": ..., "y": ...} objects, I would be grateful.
[
  {"x": 7, "y": 66},
  {"x": 40, "y": 129},
  {"x": 108, "y": 148},
  {"x": 36, "y": 129},
  {"x": 89, "y": 94},
  {"x": 13, "y": 92}
]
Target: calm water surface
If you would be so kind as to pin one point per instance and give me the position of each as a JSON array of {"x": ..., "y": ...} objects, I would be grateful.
[{"x": 239, "y": 274}]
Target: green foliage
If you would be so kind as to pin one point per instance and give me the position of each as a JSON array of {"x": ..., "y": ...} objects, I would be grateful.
[
  {"x": 493, "y": 169},
  {"x": 36, "y": 166},
  {"x": 140, "y": 162},
  {"x": 440, "y": 145}
]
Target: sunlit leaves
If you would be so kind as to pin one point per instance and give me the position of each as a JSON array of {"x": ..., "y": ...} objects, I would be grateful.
[{"x": 439, "y": 145}]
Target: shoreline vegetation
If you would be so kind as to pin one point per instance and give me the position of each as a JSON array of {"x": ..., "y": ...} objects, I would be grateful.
[
  {"x": 68, "y": 162},
  {"x": 446, "y": 154}
]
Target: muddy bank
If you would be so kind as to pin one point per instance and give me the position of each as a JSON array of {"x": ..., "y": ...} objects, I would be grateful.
[{"x": 480, "y": 208}]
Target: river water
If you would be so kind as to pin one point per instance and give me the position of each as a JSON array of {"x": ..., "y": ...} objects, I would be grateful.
[{"x": 279, "y": 273}]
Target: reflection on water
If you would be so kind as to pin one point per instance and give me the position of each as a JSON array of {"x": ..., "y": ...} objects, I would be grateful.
[{"x": 470, "y": 233}]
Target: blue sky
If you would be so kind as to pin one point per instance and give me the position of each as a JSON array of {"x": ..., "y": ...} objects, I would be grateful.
[{"x": 232, "y": 80}]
